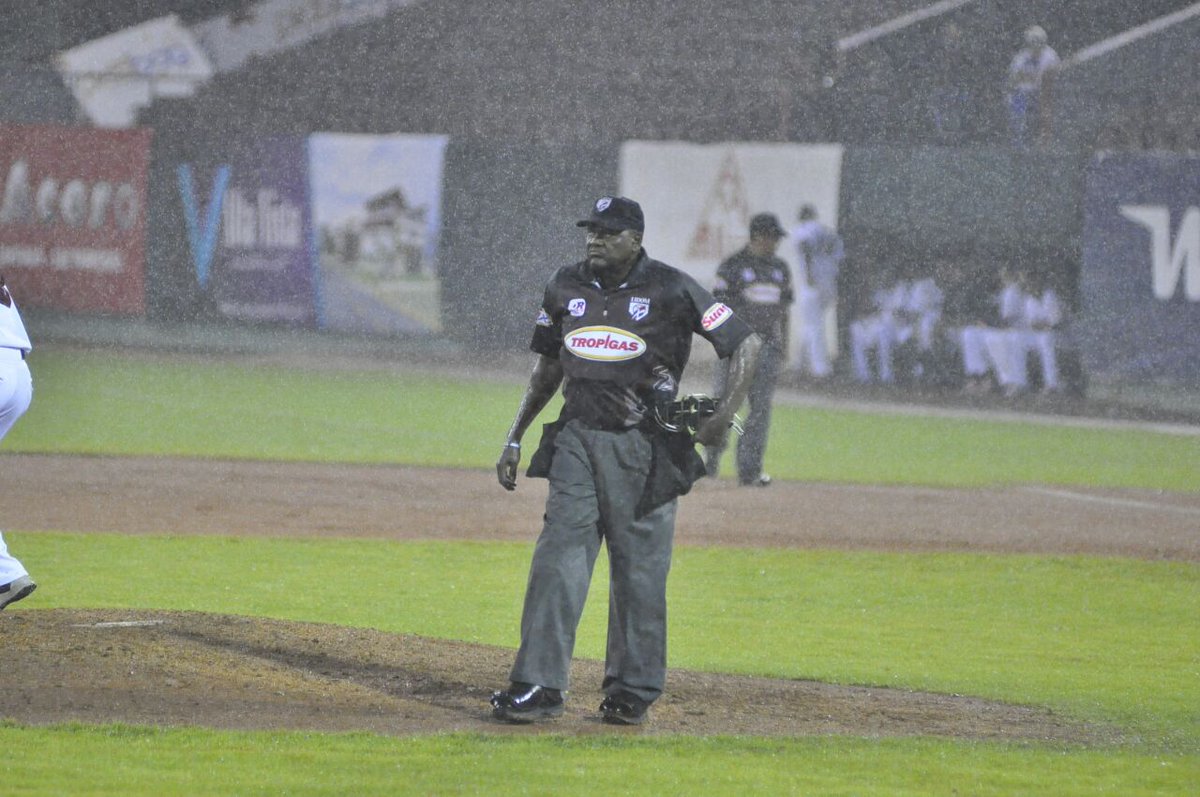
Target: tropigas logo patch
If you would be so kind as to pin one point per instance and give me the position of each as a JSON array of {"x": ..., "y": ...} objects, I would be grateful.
[{"x": 605, "y": 344}]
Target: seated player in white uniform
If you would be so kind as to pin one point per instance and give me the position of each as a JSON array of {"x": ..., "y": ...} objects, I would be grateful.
[
  {"x": 880, "y": 332},
  {"x": 1037, "y": 333}
]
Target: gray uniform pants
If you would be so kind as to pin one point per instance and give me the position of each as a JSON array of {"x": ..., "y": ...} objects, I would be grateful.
[
  {"x": 752, "y": 445},
  {"x": 596, "y": 479}
]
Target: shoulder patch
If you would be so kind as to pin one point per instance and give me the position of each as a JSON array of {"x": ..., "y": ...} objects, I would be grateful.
[
  {"x": 714, "y": 316},
  {"x": 543, "y": 319}
]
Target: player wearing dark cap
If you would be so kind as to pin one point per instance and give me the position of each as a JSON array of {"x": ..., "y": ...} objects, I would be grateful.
[
  {"x": 758, "y": 286},
  {"x": 615, "y": 331}
]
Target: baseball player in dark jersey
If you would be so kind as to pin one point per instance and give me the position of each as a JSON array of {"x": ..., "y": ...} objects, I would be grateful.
[
  {"x": 758, "y": 286},
  {"x": 615, "y": 331}
]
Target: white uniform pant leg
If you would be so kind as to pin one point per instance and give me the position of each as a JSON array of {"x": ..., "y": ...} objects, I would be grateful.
[
  {"x": 16, "y": 389},
  {"x": 889, "y": 337},
  {"x": 1045, "y": 342},
  {"x": 974, "y": 352},
  {"x": 16, "y": 392},
  {"x": 10, "y": 568},
  {"x": 1006, "y": 350},
  {"x": 862, "y": 337},
  {"x": 816, "y": 346}
]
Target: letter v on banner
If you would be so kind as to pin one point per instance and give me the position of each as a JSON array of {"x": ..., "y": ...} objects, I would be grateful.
[
  {"x": 202, "y": 240},
  {"x": 1169, "y": 260}
]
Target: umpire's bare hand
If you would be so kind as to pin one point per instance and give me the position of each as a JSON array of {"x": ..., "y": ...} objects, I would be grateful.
[
  {"x": 506, "y": 467},
  {"x": 713, "y": 431}
]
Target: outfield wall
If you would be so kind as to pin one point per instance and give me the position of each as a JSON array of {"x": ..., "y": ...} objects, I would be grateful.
[{"x": 243, "y": 228}]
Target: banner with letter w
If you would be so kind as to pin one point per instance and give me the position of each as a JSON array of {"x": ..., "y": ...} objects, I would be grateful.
[{"x": 1140, "y": 283}]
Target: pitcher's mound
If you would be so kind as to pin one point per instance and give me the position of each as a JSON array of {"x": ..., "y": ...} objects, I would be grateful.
[{"x": 188, "y": 668}]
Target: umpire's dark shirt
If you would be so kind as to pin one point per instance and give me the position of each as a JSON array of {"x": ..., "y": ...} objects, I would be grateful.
[{"x": 624, "y": 349}]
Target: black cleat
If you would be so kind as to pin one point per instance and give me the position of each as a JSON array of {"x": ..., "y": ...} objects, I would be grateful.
[
  {"x": 522, "y": 703},
  {"x": 624, "y": 708}
]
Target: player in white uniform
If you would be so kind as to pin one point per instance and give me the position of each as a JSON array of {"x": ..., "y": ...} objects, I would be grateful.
[
  {"x": 881, "y": 331},
  {"x": 1034, "y": 321},
  {"x": 820, "y": 251},
  {"x": 1043, "y": 316},
  {"x": 16, "y": 391}
]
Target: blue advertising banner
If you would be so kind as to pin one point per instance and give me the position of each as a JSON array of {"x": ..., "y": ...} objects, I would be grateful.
[
  {"x": 249, "y": 230},
  {"x": 1140, "y": 283}
]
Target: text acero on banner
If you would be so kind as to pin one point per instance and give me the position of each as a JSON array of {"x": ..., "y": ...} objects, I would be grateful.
[{"x": 73, "y": 217}]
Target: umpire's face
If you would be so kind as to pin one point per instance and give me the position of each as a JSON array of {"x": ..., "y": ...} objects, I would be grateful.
[{"x": 611, "y": 250}]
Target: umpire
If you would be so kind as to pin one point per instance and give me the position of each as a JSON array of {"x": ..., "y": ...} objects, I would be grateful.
[
  {"x": 615, "y": 331},
  {"x": 758, "y": 286}
]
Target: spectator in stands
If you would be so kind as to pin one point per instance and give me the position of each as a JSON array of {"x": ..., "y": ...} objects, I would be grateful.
[
  {"x": 1030, "y": 81},
  {"x": 819, "y": 252}
]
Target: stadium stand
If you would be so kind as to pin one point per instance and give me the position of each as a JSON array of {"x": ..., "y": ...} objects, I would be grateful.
[
  {"x": 527, "y": 70},
  {"x": 31, "y": 89},
  {"x": 890, "y": 79},
  {"x": 536, "y": 96}
]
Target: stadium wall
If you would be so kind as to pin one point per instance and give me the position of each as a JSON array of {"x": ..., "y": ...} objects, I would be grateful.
[{"x": 507, "y": 211}]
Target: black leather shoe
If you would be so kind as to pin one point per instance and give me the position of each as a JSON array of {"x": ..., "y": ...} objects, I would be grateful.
[
  {"x": 526, "y": 703},
  {"x": 624, "y": 708}
]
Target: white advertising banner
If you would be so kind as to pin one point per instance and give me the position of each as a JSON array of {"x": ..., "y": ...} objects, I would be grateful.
[
  {"x": 698, "y": 199},
  {"x": 272, "y": 26},
  {"x": 376, "y": 202},
  {"x": 116, "y": 75}
]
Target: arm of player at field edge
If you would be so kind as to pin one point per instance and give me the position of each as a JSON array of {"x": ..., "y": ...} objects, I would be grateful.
[
  {"x": 543, "y": 384},
  {"x": 742, "y": 364}
]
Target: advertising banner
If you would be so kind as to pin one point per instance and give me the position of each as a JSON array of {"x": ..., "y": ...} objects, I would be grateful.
[
  {"x": 249, "y": 231},
  {"x": 115, "y": 76},
  {"x": 1140, "y": 283},
  {"x": 698, "y": 200},
  {"x": 377, "y": 212},
  {"x": 255, "y": 30},
  {"x": 73, "y": 217}
]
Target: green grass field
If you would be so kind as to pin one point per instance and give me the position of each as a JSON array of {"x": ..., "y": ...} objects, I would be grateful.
[{"x": 1104, "y": 640}]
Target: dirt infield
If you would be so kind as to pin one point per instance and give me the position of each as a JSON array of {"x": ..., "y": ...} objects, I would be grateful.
[{"x": 236, "y": 672}]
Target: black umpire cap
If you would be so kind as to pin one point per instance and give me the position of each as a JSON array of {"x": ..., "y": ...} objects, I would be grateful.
[
  {"x": 615, "y": 213},
  {"x": 766, "y": 224}
]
